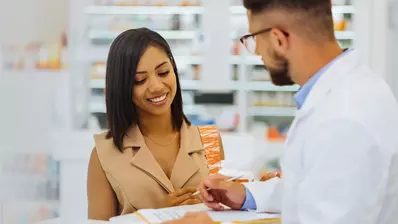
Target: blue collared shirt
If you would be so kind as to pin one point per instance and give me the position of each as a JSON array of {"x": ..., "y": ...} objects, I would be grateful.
[
  {"x": 299, "y": 99},
  {"x": 302, "y": 93}
]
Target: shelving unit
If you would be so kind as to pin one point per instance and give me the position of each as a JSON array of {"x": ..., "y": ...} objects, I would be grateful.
[
  {"x": 182, "y": 10},
  {"x": 170, "y": 35},
  {"x": 249, "y": 78},
  {"x": 30, "y": 183}
]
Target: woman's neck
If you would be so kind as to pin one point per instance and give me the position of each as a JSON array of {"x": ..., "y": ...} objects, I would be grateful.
[{"x": 156, "y": 125}]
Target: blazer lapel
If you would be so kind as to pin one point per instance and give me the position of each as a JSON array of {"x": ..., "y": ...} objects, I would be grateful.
[
  {"x": 144, "y": 160},
  {"x": 184, "y": 167}
]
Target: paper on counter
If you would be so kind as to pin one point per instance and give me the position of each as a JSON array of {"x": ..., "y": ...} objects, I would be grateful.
[
  {"x": 127, "y": 219},
  {"x": 168, "y": 214}
]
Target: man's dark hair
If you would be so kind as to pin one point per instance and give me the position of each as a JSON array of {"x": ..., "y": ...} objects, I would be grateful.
[
  {"x": 315, "y": 15},
  {"x": 123, "y": 58}
]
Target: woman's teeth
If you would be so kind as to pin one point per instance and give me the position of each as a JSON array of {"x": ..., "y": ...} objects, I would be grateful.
[{"x": 158, "y": 99}]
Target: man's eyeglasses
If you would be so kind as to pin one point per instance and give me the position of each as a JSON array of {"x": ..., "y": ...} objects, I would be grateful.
[{"x": 249, "y": 40}]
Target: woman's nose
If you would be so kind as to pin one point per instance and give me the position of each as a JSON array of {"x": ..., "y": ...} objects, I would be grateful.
[{"x": 155, "y": 85}]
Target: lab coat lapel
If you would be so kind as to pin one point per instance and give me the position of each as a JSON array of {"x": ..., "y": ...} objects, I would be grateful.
[
  {"x": 144, "y": 160},
  {"x": 184, "y": 167},
  {"x": 332, "y": 76}
]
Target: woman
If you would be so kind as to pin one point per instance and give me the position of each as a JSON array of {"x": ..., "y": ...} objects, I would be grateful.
[{"x": 152, "y": 156}]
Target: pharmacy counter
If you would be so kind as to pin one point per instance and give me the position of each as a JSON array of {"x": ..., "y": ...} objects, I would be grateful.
[{"x": 73, "y": 150}]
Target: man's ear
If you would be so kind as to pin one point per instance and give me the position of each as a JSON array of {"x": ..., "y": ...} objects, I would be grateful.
[{"x": 279, "y": 40}]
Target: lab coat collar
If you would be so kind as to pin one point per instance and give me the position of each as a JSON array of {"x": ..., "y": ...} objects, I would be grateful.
[
  {"x": 324, "y": 85},
  {"x": 331, "y": 78}
]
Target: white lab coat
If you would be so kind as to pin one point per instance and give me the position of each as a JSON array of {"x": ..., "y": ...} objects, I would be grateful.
[{"x": 341, "y": 159}]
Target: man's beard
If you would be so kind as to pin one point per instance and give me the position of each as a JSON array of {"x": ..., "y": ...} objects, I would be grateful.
[{"x": 280, "y": 75}]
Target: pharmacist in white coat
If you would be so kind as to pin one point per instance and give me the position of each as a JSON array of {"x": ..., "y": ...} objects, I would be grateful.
[{"x": 341, "y": 159}]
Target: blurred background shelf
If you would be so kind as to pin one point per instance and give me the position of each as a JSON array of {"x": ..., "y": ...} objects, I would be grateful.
[
  {"x": 183, "y": 25},
  {"x": 235, "y": 85},
  {"x": 243, "y": 103},
  {"x": 167, "y": 34},
  {"x": 188, "y": 10},
  {"x": 272, "y": 111}
]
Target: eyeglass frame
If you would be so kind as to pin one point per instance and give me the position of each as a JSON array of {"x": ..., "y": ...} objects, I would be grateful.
[{"x": 245, "y": 37}]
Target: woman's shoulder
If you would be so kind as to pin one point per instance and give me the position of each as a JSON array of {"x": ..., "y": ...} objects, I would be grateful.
[
  {"x": 104, "y": 144},
  {"x": 102, "y": 138}
]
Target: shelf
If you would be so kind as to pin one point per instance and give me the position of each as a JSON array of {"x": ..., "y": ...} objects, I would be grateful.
[
  {"x": 101, "y": 54},
  {"x": 236, "y": 85},
  {"x": 97, "y": 105},
  {"x": 344, "y": 35},
  {"x": 97, "y": 83},
  {"x": 336, "y": 9},
  {"x": 185, "y": 84},
  {"x": 181, "y": 10},
  {"x": 253, "y": 60},
  {"x": 189, "y": 35},
  {"x": 189, "y": 85},
  {"x": 234, "y": 60},
  {"x": 170, "y": 34},
  {"x": 143, "y": 10},
  {"x": 343, "y": 9},
  {"x": 272, "y": 111},
  {"x": 268, "y": 86}
]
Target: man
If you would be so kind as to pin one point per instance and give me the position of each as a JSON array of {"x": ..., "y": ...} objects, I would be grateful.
[{"x": 341, "y": 160}]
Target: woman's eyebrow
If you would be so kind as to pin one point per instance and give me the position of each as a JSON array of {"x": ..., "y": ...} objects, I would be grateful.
[{"x": 158, "y": 66}]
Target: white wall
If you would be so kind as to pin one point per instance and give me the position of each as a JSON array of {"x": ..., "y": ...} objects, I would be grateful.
[
  {"x": 23, "y": 21},
  {"x": 383, "y": 40},
  {"x": 392, "y": 45}
]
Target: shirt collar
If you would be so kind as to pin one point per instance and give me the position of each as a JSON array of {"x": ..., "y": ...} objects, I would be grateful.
[{"x": 302, "y": 93}]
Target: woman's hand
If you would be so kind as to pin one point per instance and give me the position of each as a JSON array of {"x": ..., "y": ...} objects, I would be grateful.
[{"x": 182, "y": 197}]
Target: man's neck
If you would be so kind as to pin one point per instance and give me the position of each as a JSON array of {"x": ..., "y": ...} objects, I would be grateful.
[
  {"x": 156, "y": 125},
  {"x": 314, "y": 59}
]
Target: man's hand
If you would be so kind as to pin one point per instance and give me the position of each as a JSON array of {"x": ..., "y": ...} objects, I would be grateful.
[
  {"x": 269, "y": 175},
  {"x": 193, "y": 218},
  {"x": 182, "y": 197},
  {"x": 230, "y": 194}
]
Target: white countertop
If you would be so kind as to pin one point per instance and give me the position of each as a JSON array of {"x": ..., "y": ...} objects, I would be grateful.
[{"x": 64, "y": 221}]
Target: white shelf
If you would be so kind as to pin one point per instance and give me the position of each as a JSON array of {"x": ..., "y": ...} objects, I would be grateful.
[
  {"x": 188, "y": 10},
  {"x": 272, "y": 111},
  {"x": 185, "y": 84},
  {"x": 344, "y": 35},
  {"x": 188, "y": 60},
  {"x": 234, "y": 60},
  {"x": 189, "y": 84},
  {"x": 143, "y": 10},
  {"x": 236, "y": 85},
  {"x": 268, "y": 86},
  {"x": 343, "y": 9},
  {"x": 253, "y": 60},
  {"x": 97, "y": 83},
  {"x": 97, "y": 105},
  {"x": 245, "y": 62},
  {"x": 336, "y": 9},
  {"x": 169, "y": 34},
  {"x": 188, "y": 35}
]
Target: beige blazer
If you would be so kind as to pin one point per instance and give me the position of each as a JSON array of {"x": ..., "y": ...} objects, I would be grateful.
[{"x": 136, "y": 177}]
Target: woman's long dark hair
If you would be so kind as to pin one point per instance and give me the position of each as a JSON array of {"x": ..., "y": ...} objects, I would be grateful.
[{"x": 123, "y": 58}]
